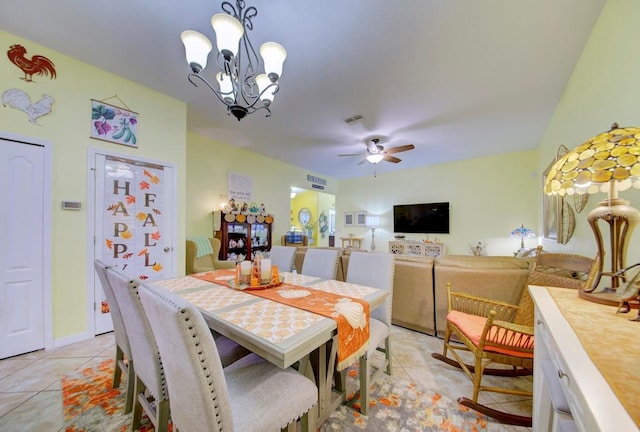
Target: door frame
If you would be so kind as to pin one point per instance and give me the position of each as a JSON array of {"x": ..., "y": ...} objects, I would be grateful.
[
  {"x": 47, "y": 219},
  {"x": 90, "y": 237}
]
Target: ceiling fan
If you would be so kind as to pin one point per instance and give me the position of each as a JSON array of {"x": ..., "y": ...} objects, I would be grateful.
[{"x": 376, "y": 152}]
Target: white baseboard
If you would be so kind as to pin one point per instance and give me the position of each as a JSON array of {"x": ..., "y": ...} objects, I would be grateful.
[{"x": 68, "y": 340}]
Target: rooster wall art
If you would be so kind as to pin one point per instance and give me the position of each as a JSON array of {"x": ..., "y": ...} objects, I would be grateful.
[
  {"x": 18, "y": 99},
  {"x": 36, "y": 65}
]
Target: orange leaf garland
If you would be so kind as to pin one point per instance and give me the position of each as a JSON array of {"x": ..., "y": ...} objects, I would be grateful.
[
  {"x": 144, "y": 185},
  {"x": 126, "y": 235},
  {"x": 109, "y": 243},
  {"x": 141, "y": 216},
  {"x": 142, "y": 252},
  {"x": 157, "y": 267},
  {"x": 156, "y": 235}
]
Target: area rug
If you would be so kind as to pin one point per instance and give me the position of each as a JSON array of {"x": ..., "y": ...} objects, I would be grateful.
[{"x": 91, "y": 405}]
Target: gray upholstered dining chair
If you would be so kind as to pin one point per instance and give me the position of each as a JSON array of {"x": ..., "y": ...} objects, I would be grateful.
[
  {"x": 123, "y": 350},
  {"x": 322, "y": 263},
  {"x": 149, "y": 371},
  {"x": 374, "y": 270},
  {"x": 283, "y": 257},
  {"x": 256, "y": 396}
]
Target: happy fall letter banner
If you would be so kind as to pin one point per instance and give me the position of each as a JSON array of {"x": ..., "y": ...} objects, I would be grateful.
[{"x": 133, "y": 218}]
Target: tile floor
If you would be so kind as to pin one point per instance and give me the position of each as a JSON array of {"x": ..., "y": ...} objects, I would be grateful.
[{"x": 31, "y": 395}]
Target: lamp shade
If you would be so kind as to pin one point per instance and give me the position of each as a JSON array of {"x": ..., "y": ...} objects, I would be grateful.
[
  {"x": 197, "y": 48},
  {"x": 375, "y": 158},
  {"x": 273, "y": 55},
  {"x": 607, "y": 162},
  {"x": 523, "y": 232},
  {"x": 226, "y": 86},
  {"x": 228, "y": 33},
  {"x": 372, "y": 221},
  {"x": 263, "y": 82}
]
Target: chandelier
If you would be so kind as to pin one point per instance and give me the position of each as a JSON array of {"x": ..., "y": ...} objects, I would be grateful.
[{"x": 239, "y": 85}]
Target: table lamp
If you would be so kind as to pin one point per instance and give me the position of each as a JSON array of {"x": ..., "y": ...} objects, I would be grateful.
[
  {"x": 606, "y": 163},
  {"x": 372, "y": 222},
  {"x": 523, "y": 233}
]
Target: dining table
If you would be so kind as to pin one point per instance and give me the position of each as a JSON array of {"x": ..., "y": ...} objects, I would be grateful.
[{"x": 284, "y": 334}]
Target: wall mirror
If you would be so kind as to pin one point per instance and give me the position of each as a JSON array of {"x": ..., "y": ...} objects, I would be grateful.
[{"x": 304, "y": 216}]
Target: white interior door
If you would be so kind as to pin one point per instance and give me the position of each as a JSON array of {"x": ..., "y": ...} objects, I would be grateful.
[
  {"x": 134, "y": 223},
  {"x": 22, "y": 326}
]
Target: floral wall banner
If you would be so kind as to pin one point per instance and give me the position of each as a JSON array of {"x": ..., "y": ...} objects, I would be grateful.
[
  {"x": 114, "y": 124},
  {"x": 133, "y": 220}
]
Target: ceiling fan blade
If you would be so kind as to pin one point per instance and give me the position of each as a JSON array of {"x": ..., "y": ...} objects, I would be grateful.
[
  {"x": 362, "y": 161},
  {"x": 353, "y": 154},
  {"x": 391, "y": 159},
  {"x": 400, "y": 149}
]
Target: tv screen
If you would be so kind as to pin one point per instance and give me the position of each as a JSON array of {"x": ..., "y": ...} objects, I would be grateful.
[{"x": 429, "y": 218}]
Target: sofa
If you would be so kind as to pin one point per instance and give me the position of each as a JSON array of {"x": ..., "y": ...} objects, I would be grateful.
[{"x": 420, "y": 284}]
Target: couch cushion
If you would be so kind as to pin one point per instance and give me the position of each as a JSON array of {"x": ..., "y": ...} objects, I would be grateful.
[
  {"x": 483, "y": 262},
  {"x": 413, "y": 305}
]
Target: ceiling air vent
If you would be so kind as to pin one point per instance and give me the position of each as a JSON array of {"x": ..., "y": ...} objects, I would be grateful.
[{"x": 353, "y": 119}]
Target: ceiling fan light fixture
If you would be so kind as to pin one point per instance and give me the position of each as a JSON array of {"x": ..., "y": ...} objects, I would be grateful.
[{"x": 374, "y": 158}]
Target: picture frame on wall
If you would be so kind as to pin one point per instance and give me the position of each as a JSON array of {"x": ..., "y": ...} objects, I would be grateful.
[
  {"x": 348, "y": 219},
  {"x": 361, "y": 218},
  {"x": 114, "y": 124}
]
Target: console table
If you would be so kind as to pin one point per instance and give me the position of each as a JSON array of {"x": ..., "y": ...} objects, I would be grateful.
[
  {"x": 585, "y": 364},
  {"x": 352, "y": 242},
  {"x": 402, "y": 247}
]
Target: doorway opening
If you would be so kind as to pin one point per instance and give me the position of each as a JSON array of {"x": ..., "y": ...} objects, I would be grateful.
[{"x": 313, "y": 214}]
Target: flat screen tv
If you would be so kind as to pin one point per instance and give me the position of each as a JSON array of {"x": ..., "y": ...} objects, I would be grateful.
[{"x": 428, "y": 218}]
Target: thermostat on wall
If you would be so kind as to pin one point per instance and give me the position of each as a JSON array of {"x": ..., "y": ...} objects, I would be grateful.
[{"x": 71, "y": 205}]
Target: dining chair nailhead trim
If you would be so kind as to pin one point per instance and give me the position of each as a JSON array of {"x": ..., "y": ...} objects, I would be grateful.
[{"x": 204, "y": 365}]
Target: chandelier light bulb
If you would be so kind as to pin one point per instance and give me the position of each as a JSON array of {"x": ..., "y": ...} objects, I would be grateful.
[
  {"x": 273, "y": 55},
  {"x": 228, "y": 33},
  {"x": 263, "y": 82},
  {"x": 226, "y": 86},
  {"x": 197, "y": 48}
]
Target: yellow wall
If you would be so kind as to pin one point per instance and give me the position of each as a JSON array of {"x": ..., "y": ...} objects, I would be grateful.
[
  {"x": 489, "y": 197},
  {"x": 604, "y": 88},
  {"x": 162, "y": 132},
  {"x": 211, "y": 161}
]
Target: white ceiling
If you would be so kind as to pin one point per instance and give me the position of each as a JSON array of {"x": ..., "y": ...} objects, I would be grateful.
[{"x": 456, "y": 78}]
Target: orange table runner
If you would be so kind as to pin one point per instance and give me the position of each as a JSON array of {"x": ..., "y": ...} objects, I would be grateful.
[{"x": 351, "y": 314}]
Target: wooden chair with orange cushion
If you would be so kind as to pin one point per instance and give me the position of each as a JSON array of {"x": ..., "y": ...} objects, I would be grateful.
[
  {"x": 501, "y": 333},
  {"x": 487, "y": 330}
]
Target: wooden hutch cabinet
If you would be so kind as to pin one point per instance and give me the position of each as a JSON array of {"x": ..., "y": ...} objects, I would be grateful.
[{"x": 242, "y": 236}]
